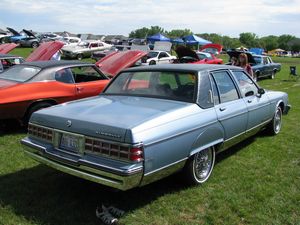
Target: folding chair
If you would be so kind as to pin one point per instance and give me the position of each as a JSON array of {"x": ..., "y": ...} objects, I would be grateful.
[{"x": 293, "y": 73}]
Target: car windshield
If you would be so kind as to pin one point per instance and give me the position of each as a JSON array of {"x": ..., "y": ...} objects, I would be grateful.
[
  {"x": 20, "y": 73},
  {"x": 83, "y": 44},
  {"x": 257, "y": 59},
  {"x": 152, "y": 55},
  {"x": 178, "y": 86}
]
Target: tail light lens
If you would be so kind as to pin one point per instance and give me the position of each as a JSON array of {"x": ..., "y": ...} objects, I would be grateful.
[{"x": 137, "y": 154}]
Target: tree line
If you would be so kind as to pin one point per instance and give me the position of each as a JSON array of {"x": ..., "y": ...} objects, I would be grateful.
[{"x": 247, "y": 39}]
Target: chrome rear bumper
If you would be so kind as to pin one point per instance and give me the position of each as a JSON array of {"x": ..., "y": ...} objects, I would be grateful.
[{"x": 103, "y": 174}]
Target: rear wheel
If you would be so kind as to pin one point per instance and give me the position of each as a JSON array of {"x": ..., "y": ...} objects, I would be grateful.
[
  {"x": 272, "y": 76},
  {"x": 275, "y": 125},
  {"x": 200, "y": 166},
  {"x": 35, "y": 108}
]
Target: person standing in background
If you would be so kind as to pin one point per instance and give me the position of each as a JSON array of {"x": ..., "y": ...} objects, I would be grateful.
[{"x": 243, "y": 62}]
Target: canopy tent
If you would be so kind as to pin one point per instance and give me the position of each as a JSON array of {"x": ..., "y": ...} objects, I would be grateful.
[
  {"x": 177, "y": 41},
  {"x": 193, "y": 39},
  {"x": 157, "y": 37}
]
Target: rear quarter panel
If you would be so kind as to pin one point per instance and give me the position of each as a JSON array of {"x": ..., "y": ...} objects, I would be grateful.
[{"x": 176, "y": 139}]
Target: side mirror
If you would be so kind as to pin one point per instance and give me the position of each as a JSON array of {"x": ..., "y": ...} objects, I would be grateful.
[{"x": 260, "y": 92}]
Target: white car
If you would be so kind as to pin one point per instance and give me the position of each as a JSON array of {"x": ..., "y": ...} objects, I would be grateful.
[
  {"x": 158, "y": 57},
  {"x": 84, "y": 49}
]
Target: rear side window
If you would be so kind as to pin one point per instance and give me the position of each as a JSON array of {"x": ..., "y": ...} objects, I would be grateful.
[
  {"x": 20, "y": 73},
  {"x": 226, "y": 87}
]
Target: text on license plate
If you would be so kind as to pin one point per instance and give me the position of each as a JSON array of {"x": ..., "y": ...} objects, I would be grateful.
[{"x": 69, "y": 142}]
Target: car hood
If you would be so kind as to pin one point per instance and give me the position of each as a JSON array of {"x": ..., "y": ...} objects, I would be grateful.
[
  {"x": 113, "y": 63},
  {"x": 45, "y": 51},
  {"x": 14, "y": 32},
  {"x": 218, "y": 47},
  {"x": 183, "y": 51},
  {"x": 29, "y": 33},
  {"x": 237, "y": 53},
  {"x": 6, "y": 48},
  {"x": 109, "y": 117}
]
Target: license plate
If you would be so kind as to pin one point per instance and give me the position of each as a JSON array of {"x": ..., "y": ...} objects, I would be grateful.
[{"x": 69, "y": 142}]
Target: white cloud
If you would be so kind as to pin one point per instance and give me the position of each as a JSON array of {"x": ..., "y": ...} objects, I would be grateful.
[{"x": 229, "y": 17}]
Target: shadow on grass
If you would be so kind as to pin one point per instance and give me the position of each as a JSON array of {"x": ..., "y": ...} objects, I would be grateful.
[{"x": 47, "y": 196}]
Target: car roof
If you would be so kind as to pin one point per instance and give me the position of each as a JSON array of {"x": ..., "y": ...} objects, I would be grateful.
[
  {"x": 55, "y": 63},
  {"x": 183, "y": 67}
]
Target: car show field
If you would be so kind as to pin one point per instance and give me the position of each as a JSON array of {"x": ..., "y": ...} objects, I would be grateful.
[{"x": 254, "y": 182}]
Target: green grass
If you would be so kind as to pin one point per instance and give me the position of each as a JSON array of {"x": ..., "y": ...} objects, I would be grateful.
[{"x": 255, "y": 182}]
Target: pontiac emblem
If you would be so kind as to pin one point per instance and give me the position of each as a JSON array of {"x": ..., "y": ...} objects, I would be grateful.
[{"x": 69, "y": 123}]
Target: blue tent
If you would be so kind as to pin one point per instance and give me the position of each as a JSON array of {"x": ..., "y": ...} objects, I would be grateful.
[
  {"x": 157, "y": 37},
  {"x": 256, "y": 51},
  {"x": 177, "y": 41},
  {"x": 193, "y": 39}
]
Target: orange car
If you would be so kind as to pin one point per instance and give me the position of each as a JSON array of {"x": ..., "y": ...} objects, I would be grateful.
[{"x": 28, "y": 87}]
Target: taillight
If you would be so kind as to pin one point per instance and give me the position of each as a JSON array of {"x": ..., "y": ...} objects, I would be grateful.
[{"x": 136, "y": 154}]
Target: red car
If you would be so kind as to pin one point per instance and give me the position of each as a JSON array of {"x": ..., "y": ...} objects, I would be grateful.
[
  {"x": 187, "y": 55},
  {"x": 28, "y": 87}
]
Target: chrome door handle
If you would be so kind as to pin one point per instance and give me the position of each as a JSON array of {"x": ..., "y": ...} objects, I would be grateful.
[
  {"x": 222, "y": 109},
  {"x": 249, "y": 101}
]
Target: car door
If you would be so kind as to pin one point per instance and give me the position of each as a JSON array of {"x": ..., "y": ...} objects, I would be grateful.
[
  {"x": 88, "y": 81},
  {"x": 259, "y": 108},
  {"x": 163, "y": 58},
  {"x": 231, "y": 109}
]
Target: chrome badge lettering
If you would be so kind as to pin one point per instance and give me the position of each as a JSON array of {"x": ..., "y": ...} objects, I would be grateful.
[{"x": 108, "y": 134}]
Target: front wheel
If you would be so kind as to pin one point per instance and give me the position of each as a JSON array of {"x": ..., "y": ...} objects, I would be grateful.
[
  {"x": 79, "y": 56},
  {"x": 275, "y": 125},
  {"x": 152, "y": 62},
  {"x": 200, "y": 166}
]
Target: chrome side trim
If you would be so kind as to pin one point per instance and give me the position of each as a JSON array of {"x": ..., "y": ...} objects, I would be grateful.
[
  {"x": 178, "y": 134},
  {"x": 218, "y": 141},
  {"x": 234, "y": 115}
]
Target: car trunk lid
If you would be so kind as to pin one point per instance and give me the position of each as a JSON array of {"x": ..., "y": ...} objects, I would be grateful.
[
  {"x": 113, "y": 63},
  {"x": 105, "y": 116},
  {"x": 45, "y": 51}
]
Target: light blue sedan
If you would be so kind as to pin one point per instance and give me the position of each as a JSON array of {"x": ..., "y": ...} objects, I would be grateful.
[{"x": 153, "y": 121}]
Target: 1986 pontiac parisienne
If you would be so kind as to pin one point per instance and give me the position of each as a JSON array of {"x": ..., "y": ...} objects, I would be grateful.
[{"x": 150, "y": 122}]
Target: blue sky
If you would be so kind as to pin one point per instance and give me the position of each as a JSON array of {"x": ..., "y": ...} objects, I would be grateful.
[{"x": 230, "y": 17}]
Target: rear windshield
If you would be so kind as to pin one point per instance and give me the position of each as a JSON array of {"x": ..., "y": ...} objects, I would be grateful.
[
  {"x": 20, "y": 73},
  {"x": 179, "y": 86}
]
